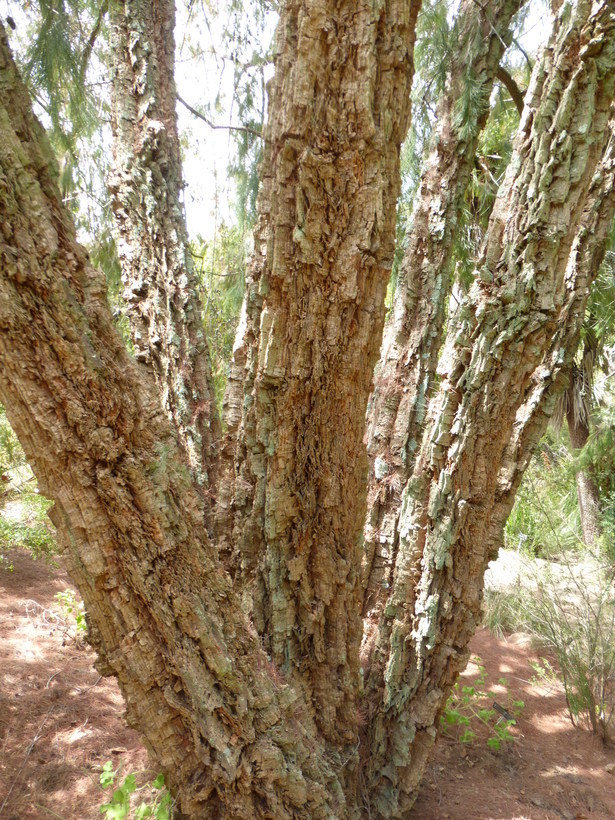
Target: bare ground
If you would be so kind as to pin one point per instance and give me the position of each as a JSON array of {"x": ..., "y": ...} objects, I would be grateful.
[
  {"x": 59, "y": 723},
  {"x": 59, "y": 720}
]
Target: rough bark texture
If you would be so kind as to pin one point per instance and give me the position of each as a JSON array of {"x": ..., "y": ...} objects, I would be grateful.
[
  {"x": 164, "y": 618},
  {"x": 488, "y": 413},
  {"x": 583, "y": 264},
  {"x": 160, "y": 286},
  {"x": 324, "y": 249},
  {"x": 234, "y": 734},
  {"x": 403, "y": 383}
]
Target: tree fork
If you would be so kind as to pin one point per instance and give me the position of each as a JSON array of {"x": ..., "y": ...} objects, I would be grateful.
[
  {"x": 315, "y": 309},
  {"x": 232, "y": 739}
]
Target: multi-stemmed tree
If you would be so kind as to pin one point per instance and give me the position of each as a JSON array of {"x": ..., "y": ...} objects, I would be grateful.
[{"x": 271, "y": 670}]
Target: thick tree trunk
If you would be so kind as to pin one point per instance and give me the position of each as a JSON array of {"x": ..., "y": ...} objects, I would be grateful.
[
  {"x": 587, "y": 492},
  {"x": 404, "y": 378},
  {"x": 339, "y": 112},
  {"x": 234, "y": 734},
  {"x": 160, "y": 286},
  {"x": 495, "y": 372},
  {"x": 233, "y": 740}
]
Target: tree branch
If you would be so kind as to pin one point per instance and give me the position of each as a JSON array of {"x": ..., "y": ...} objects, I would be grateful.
[
  {"x": 511, "y": 86},
  {"x": 198, "y": 114},
  {"x": 89, "y": 46}
]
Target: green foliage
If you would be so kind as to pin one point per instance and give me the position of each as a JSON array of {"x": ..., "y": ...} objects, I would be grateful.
[
  {"x": 569, "y": 608},
  {"x": 545, "y": 519},
  {"x": 73, "y": 611},
  {"x": 11, "y": 453},
  {"x": 62, "y": 39},
  {"x": 241, "y": 54},
  {"x": 56, "y": 62},
  {"x": 33, "y": 532},
  {"x": 469, "y": 106},
  {"x": 501, "y": 611},
  {"x": 158, "y": 804},
  {"x": 577, "y": 621},
  {"x": 431, "y": 61},
  {"x": 26, "y": 524},
  {"x": 492, "y": 157},
  {"x": 545, "y": 674},
  {"x": 468, "y": 712},
  {"x": 220, "y": 266}
]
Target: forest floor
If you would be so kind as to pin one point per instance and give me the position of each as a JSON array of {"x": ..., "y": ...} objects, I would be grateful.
[{"x": 60, "y": 722}]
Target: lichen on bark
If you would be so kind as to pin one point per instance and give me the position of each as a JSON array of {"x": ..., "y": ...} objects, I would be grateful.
[
  {"x": 232, "y": 740},
  {"x": 404, "y": 378},
  {"x": 339, "y": 112},
  {"x": 499, "y": 369},
  {"x": 160, "y": 287}
]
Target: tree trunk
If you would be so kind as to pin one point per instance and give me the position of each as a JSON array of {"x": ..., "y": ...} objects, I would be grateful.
[
  {"x": 404, "y": 378},
  {"x": 233, "y": 740},
  {"x": 587, "y": 492},
  {"x": 235, "y": 736},
  {"x": 338, "y": 115},
  {"x": 496, "y": 372},
  {"x": 161, "y": 291}
]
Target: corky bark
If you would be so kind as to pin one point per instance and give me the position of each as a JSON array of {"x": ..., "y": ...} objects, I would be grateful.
[
  {"x": 583, "y": 264},
  {"x": 497, "y": 374},
  {"x": 160, "y": 285},
  {"x": 164, "y": 619},
  {"x": 324, "y": 245},
  {"x": 403, "y": 382}
]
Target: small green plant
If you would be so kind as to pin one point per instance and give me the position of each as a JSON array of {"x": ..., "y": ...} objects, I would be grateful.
[
  {"x": 32, "y": 531},
  {"x": 501, "y": 610},
  {"x": 23, "y": 510},
  {"x": 544, "y": 673},
  {"x": 574, "y": 615},
  {"x": 474, "y": 708},
  {"x": 119, "y": 807},
  {"x": 545, "y": 519},
  {"x": 73, "y": 611}
]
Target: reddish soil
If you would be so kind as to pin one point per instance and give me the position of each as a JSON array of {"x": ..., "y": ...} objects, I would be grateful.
[
  {"x": 59, "y": 723},
  {"x": 59, "y": 720},
  {"x": 551, "y": 770}
]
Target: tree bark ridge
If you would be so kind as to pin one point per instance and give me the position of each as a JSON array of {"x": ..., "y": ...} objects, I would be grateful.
[
  {"x": 495, "y": 377},
  {"x": 233, "y": 739},
  {"x": 324, "y": 247},
  {"x": 404, "y": 377},
  {"x": 161, "y": 289}
]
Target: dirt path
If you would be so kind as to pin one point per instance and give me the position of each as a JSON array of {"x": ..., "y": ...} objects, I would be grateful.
[
  {"x": 551, "y": 771},
  {"x": 60, "y": 722}
]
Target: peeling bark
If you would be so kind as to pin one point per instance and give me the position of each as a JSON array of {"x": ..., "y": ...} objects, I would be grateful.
[
  {"x": 160, "y": 286},
  {"x": 233, "y": 740},
  {"x": 583, "y": 264},
  {"x": 405, "y": 374},
  {"x": 324, "y": 250},
  {"x": 242, "y": 732},
  {"x": 504, "y": 353}
]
